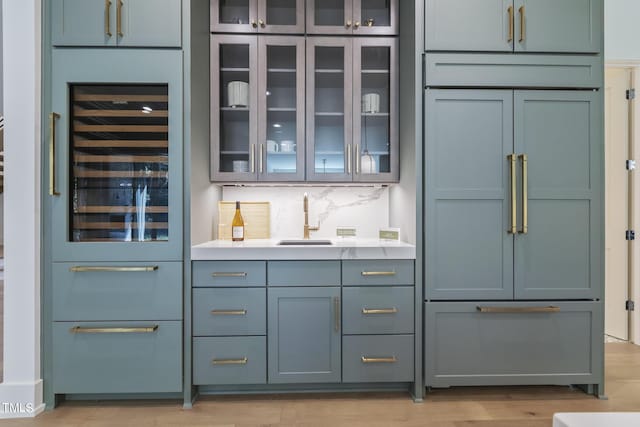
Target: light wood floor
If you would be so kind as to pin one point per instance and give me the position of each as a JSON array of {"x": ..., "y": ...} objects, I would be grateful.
[{"x": 457, "y": 407}]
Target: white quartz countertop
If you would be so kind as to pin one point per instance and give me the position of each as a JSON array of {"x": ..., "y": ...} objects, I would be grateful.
[{"x": 268, "y": 249}]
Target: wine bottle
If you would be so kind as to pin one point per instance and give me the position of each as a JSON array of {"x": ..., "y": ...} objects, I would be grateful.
[{"x": 237, "y": 225}]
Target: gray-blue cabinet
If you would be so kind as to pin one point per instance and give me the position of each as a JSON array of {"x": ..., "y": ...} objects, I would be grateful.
[
  {"x": 567, "y": 26},
  {"x": 353, "y": 17},
  {"x": 139, "y": 23}
]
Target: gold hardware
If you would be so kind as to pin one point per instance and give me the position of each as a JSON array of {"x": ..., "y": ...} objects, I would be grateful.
[
  {"x": 252, "y": 158},
  {"x": 510, "y": 11},
  {"x": 391, "y": 359},
  {"x": 336, "y": 309},
  {"x": 261, "y": 22},
  {"x": 378, "y": 273},
  {"x": 392, "y": 310},
  {"x": 52, "y": 154},
  {"x": 254, "y": 24},
  {"x": 136, "y": 330},
  {"x": 93, "y": 269},
  {"x": 548, "y": 309},
  {"x": 260, "y": 158},
  {"x": 356, "y": 152},
  {"x": 229, "y": 312},
  {"x": 523, "y": 29},
  {"x": 525, "y": 197},
  {"x": 356, "y": 25},
  {"x": 514, "y": 210},
  {"x": 119, "y": 18},
  {"x": 306, "y": 229},
  {"x": 348, "y": 151},
  {"x": 369, "y": 22},
  {"x": 228, "y": 274},
  {"x": 107, "y": 17},
  {"x": 242, "y": 361},
  {"x": 348, "y": 25}
]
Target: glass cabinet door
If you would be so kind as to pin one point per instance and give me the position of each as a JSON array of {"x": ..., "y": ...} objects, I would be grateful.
[
  {"x": 330, "y": 16},
  {"x": 329, "y": 109},
  {"x": 234, "y": 114},
  {"x": 375, "y": 105},
  {"x": 281, "y": 108},
  {"x": 375, "y": 17},
  {"x": 281, "y": 16},
  {"x": 234, "y": 16}
]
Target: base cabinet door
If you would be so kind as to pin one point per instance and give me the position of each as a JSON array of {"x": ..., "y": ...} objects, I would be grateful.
[
  {"x": 513, "y": 343},
  {"x": 304, "y": 335}
]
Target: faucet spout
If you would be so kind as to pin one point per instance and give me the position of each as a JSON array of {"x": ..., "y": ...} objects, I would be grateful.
[{"x": 307, "y": 228}]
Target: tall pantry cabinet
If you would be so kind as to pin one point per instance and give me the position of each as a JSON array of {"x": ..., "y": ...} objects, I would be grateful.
[{"x": 514, "y": 193}]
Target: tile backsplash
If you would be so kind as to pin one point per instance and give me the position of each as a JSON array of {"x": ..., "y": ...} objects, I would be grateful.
[{"x": 366, "y": 208}]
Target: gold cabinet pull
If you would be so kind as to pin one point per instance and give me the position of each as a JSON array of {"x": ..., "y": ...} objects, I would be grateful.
[
  {"x": 525, "y": 197},
  {"x": 134, "y": 330},
  {"x": 356, "y": 25},
  {"x": 242, "y": 361},
  {"x": 107, "y": 18},
  {"x": 52, "y": 154},
  {"x": 510, "y": 12},
  {"x": 252, "y": 158},
  {"x": 254, "y": 24},
  {"x": 348, "y": 24},
  {"x": 370, "y": 22},
  {"x": 100, "y": 268},
  {"x": 391, "y": 310},
  {"x": 356, "y": 153},
  {"x": 119, "y": 18},
  {"x": 348, "y": 159},
  {"x": 261, "y": 22},
  {"x": 523, "y": 29},
  {"x": 514, "y": 208},
  {"x": 336, "y": 309},
  {"x": 547, "y": 309},
  {"x": 228, "y": 274},
  {"x": 391, "y": 359},
  {"x": 216, "y": 312},
  {"x": 378, "y": 273}
]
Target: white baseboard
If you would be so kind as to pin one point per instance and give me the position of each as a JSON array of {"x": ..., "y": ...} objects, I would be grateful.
[{"x": 21, "y": 400}]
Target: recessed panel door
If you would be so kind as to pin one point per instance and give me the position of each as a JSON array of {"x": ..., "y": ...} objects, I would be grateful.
[
  {"x": 83, "y": 22},
  {"x": 330, "y": 16},
  {"x": 234, "y": 16},
  {"x": 281, "y": 16}
]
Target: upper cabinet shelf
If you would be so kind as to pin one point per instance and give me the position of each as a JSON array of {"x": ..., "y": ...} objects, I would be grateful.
[
  {"x": 257, "y": 16},
  {"x": 514, "y": 26},
  {"x": 130, "y": 23}
]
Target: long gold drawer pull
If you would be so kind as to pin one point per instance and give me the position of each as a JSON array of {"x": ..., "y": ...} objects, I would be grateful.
[
  {"x": 525, "y": 196},
  {"x": 523, "y": 23},
  {"x": 119, "y": 18},
  {"x": 52, "y": 154},
  {"x": 107, "y": 18},
  {"x": 336, "y": 309},
  {"x": 546, "y": 309},
  {"x": 135, "y": 330},
  {"x": 392, "y": 310},
  {"x": 229, "y": 312},
  {"x": 510, "y": 11},
  {"x": 391, "y": 359},
  {"x": 378, "y": 273},
  {"x": 99, "y": 268},
  {"x": 228, "y": 274},
  {"x": 242, "y": 361},
  {"x": 514, "y": 209}
]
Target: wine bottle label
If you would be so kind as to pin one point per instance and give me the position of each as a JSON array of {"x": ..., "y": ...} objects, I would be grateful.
[{"x": 237, "y": 232}]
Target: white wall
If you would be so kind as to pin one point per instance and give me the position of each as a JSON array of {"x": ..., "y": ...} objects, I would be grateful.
[{"x": 622, "y": 30}]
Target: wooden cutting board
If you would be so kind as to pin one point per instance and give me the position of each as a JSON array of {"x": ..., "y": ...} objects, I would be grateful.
[{"x": 256, "y": 216}]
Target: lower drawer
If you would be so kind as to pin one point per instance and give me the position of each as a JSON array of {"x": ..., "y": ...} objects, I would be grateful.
[
  {"x": 513, "y": 343},
  {"x": 377, "y": 358},
  {"x": 229, "y": 311},
  {"x": 117, "y": 357},
  {"x": 229, "y": 360}
]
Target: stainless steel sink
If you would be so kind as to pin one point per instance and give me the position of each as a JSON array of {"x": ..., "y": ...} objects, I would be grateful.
[{"x": 302, "y": 242}]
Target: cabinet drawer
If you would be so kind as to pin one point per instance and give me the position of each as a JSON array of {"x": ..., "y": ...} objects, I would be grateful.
[
  {"x": 117, "y": 357},
  {"x": 229, "y": 360},
  {"x": 377, "y": 358},
  {"x": 377, "y": 272},
  {"x": 229, "y": 273},
  {"x": 304, "y": 273},
  {"x": 117, "y": 291},
  {"x": 229, "y": 311},
  {"x": 378, "y": 310},
  {"x": 526, "y": 343}
]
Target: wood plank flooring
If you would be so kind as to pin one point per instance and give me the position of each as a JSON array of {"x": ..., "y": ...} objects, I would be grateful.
[{"x": 456, "y": 407}]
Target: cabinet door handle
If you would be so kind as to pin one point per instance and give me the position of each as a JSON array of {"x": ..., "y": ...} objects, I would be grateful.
[
  {"x": 216, "y": 312},
  {"x": 366, "y": 359},
  {"x": 52, "y": 154},
  {"x": 348, "y": 158},
  {"x": 348, "y": 24},
  {"x": 356, "y": 25},
  {"x": 547, "y": 309},
  {"x": 261, "y": 22},
  {"x": 254, "y": 24},
  {"x": 510, "y": 12},
  {"x": 260, "y": 158},
  {"x": 392, "y": 310},
  {"x": 356, "y": 153},
  {"x": 242, "y": 361},
  {"x": 370, "y": 22},
  {"x": 228, "y": 274},
  {"x": 134, "y": 330},
  {"x": 525, "y": 197},
  {"x": 514, "y": 208},
  {"x": 114, "y": 269},
  {"x": 107, "y": 18},
  {"x": 119, "y": 18},
  {"x": 252, "y": 158},
  {"x": 523, "y": 23},
  {"x": 336, "y": 309},
  {"x": 378, "y": 273}
]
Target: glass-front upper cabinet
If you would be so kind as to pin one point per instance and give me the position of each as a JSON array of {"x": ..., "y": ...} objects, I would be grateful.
[
  {"x": 354, "y": 17},
  {"x": 257, "y": 108},
  {"x": 258, "y": 16},
  {"x": 115, "y": 155}
]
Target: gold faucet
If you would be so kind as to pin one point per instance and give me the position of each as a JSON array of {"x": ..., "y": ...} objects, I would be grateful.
[{"x": 307, "y": 229}]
